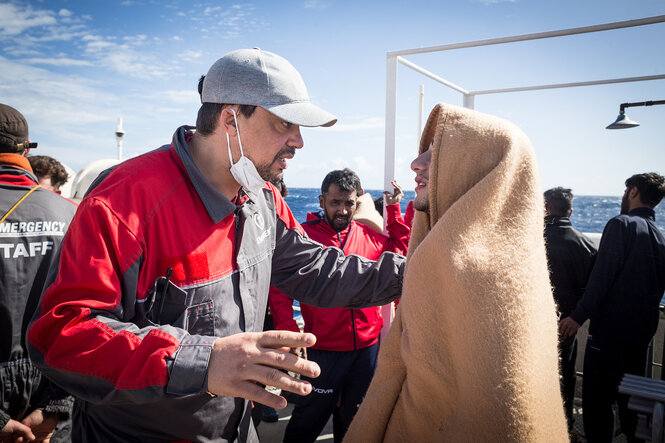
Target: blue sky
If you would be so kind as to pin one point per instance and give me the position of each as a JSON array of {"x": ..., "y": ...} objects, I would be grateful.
[{"x": 74, "y": 67}]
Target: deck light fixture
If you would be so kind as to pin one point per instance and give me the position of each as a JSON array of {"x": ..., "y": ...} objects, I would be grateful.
[{"x": 623, "y": 121}]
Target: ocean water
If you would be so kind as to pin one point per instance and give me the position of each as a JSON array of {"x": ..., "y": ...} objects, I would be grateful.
[{"x": 590, "y": 212}]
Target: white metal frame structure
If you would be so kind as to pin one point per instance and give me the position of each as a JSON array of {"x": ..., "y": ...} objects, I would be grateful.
[{"x": 395, "y": 57}]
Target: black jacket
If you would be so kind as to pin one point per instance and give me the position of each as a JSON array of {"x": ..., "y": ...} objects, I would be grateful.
[
  {"x": 570, "y": 256},
  {"x": 627, "y": 281}
]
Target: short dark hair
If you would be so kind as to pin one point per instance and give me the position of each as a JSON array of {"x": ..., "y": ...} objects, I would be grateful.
[
  {"x": 650, "y": 185},
  {"x": 559, "y": 201},
  {"x": 45, "y": 166},
  {"x": 206, "y": 121},
  {"x": 345, "y": 179},
  {"x": 378, "y": 204}
]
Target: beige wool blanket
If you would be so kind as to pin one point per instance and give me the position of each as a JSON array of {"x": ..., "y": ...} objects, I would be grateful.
[{"x": 472, "y": 352}]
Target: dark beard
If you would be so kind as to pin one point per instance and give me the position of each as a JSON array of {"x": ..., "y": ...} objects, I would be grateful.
[
  {"x": 265, "y": 170},
  {"x": 336, "y": 227},
  {"x": 421, "y": 206},
  {"x": 624, "y": 204}
]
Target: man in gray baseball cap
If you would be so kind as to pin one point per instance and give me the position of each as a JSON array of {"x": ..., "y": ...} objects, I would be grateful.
[{"x": 157, "y": 325}]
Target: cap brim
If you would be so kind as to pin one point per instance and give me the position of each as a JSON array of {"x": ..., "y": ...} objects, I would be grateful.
[{"x": 303, "y": 114}]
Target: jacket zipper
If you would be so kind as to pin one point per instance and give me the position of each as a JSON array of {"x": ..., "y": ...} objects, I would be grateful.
[{"x": 353, "y": 318}]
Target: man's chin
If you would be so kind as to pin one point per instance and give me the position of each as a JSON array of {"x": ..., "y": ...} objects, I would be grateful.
[
  {"x": 339, "y": 227},
  {"x": 421, "y": 205}
]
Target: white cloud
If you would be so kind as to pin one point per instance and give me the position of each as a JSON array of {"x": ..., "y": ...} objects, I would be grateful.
[
  {"x": 189, "y": 54},
  {"x": 57, "y": 61},
  {"x": 184, "y": 97},
  {"x": 65, "y": 13},
  {"x": 15, "y": 20},
  {"x": 230, "y": 21}
]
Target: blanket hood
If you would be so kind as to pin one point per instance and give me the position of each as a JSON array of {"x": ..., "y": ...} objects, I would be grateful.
[{"x": 472, "y": 352}]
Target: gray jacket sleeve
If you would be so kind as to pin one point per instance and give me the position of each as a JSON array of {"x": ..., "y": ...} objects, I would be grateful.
[{"x": 326, "y": 278}]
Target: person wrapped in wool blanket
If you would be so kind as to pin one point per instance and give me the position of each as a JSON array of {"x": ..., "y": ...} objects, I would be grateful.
[{"x": 472, "y": 351}]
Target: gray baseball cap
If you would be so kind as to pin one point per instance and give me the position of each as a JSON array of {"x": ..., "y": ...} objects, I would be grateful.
[{"x": 256, "y": 77}]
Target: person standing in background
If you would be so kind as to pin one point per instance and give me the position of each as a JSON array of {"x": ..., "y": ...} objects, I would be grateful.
[
  {"x": 621, "y": 301},
  {"x": 50, "y": 172},
  {"x": 346, "y": 338},
  {"x": 33, "y": 222},
  {"x": 570, "y": 256}
]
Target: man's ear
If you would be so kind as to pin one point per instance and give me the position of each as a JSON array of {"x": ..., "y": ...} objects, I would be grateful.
[
  {"x": 227, "y": 121},
  {"x": 634, "y": 193},
  {"x": 321, "y": 202}
]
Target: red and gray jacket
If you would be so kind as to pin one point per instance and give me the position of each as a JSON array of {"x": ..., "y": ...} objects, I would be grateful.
[
  {"x": 33, "y": 223},
  {"x": 343, "y": 329},
  {"x": 156, "y": 265}
]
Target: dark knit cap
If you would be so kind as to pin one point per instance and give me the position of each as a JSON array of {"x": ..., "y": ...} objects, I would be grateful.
[{"x": 13, "y": 128}]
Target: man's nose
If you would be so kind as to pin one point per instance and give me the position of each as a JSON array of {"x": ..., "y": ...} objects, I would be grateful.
[{"x": 295, "y": 140}]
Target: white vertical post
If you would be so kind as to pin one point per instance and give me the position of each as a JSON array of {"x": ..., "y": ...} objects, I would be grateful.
[
  {"x": 119, "y": 134},
  {"x": 421, "y": 111},
  {"x": 391, "y": 117},
  {"x": 389, "y": 159},
  {"x": 469, "y": 100}
]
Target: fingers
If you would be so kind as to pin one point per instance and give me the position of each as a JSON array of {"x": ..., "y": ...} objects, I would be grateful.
[
  {"x": 397, "y": 188},
  {"x": 20, "y": 432},
  {"x": 240, "y": 361},
  {"x": 276, "y": 339}
]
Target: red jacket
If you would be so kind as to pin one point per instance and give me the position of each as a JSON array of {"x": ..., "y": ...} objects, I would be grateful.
[{"x": 343, "y": 329}]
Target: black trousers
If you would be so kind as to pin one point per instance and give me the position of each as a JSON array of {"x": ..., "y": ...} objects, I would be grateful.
[
  {"x": 345, "y": 377},
  {"x": 568, "y": 352},
  {"x": 605, "y": 362}
]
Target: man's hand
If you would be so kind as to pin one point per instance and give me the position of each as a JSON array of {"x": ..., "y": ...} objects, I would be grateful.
[
  {"x": 240, "y": 361},
  {"x": 13, "y": 430},
  {"x": 568, "y": 327},
  {"x": 42, "y": 425},
  {"x": 396, "y": 196}
]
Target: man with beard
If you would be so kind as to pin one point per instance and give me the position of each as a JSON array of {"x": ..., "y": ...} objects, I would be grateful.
[
  {"x": 153, "y": 317},
  {"x": 346, "y": 339},
  {"x": 621, "y": 301}
]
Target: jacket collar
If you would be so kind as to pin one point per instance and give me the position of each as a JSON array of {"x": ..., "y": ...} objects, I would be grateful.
[
  {"x": 317, "y": 217},
  {"x": 218, "y": 206},
  {"x": 15, "y": 160},
  {"x": 557, "y": 221},
  {"x": 16, "y": 169},
  {"x": 644, "y": 213}
]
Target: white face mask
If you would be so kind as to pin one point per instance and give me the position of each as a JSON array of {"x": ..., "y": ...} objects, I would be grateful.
[{"x": 244, "y": 170}]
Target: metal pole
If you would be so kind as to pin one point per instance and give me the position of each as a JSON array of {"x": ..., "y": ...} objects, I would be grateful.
[
  {"x": 421, "y": 111},
  {"x": 391, "y": 117},
  {"x": 389, "y": 159},
  {"x": 469, "y": 101},
  {"x": 539, "y": 35},
  {"x": 647, "y": 103},
  {"x": 119, "y": 134}
]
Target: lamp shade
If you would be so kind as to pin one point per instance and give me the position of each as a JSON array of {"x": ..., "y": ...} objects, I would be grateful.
[{"x": 622, "y": 122}]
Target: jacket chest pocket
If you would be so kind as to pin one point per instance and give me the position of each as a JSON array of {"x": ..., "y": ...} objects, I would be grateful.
[{"x": 168, "y": 304}]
